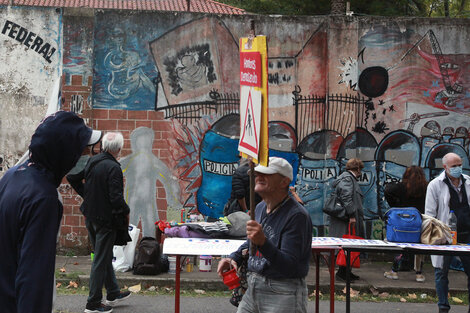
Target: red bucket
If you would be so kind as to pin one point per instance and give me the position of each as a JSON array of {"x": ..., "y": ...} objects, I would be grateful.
[{"x": 231, "y": 279}]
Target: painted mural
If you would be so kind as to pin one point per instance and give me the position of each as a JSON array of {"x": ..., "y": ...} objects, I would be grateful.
[
  {"x": 400, "y": 99},
  {"x": 142, "y": 169}
]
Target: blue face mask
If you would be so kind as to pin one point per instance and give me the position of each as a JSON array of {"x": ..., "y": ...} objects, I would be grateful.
[{"x": 455, "y": 172}]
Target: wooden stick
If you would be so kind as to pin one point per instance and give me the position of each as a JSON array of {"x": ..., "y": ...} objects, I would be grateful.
[{"x": 252, "y": 201}]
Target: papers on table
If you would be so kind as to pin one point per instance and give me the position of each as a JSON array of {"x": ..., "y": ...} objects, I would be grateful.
[{"x": 199, "y": 246}]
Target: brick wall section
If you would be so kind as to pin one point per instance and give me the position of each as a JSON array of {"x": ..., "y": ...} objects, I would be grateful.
[{"x": 73, "y": 234}]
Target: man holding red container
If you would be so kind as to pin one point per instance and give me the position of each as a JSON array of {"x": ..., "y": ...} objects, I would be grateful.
[{"x": 282, "y": 234}]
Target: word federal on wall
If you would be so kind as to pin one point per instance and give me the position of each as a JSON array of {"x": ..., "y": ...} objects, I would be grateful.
[{"x": 29, "y": 39}]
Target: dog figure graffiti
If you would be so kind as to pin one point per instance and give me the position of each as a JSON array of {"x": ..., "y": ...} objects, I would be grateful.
[{"x": 142, "y": 169}]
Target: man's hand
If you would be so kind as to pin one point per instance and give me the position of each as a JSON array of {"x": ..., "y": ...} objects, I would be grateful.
[
  {"x": 352, "y": 221},
  {"x": 225, "y": 265},
  {"x": 254, "y": 232}
]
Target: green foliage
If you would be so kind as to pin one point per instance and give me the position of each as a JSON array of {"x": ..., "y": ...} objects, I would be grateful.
[{"x": 422, "y": 8}]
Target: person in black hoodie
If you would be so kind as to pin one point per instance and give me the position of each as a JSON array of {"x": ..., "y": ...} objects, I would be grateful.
[
  {"x": 104, "y": 209},
  {"x": 30, "y": 212}
]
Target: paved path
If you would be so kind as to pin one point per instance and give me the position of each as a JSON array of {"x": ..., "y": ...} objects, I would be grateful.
[{"x": 165, "y": 304}]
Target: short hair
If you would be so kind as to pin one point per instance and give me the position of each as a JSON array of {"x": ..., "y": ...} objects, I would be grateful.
[
  {"x": 112, "y": 142},
  {"x": 446, "y": 157},
  {"x": 354, "y": 164}
]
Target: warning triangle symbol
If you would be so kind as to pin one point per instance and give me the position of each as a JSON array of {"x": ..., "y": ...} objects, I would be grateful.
[{"x": 249, "y": 138}]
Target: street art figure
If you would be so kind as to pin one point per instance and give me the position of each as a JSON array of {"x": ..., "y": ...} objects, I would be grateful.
[
  {"x": 190, "y": 69},
  {"x": 142, "y": 169},
  {"x": 318, "y": 169},
  {"x": 126, "y": 68},
  {"x": 218, "y": 160}
]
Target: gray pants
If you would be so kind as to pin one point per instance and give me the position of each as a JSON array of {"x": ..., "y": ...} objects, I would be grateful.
[
  {"x": 102, "y": 272},
  {"x": 267, "y": 295}
]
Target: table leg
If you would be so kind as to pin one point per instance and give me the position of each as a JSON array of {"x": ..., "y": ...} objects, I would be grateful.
[
  {"x": 332, "y": 281},
  {"x": 348, "y": 281},
  {"x": 177, "y": 284},
  {"x": 317, "y": 282}
]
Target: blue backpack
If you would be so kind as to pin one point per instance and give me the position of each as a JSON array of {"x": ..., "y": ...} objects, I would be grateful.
[{"x": 403, "y": 225}]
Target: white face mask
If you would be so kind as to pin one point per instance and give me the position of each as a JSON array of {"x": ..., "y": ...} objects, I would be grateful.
[{"x": 456, "y": 171}]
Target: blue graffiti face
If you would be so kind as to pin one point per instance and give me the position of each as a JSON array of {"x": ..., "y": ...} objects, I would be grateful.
[
  {"x": 314, "y": 184},
  {"x": 218, "y": 161}
]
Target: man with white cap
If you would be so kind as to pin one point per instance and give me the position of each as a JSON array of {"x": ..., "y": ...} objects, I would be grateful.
[
  {"x": 282, "y": 234},
  {"x": 30, "y": 212}
]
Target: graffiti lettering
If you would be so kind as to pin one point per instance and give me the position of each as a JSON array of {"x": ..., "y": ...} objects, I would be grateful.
[
  {"x": 76, "y": 104},
  {"x": 318, "y": 174},
  {"x": 226, "y": 169},
  {"x": 391, "y": 179},
  {"x": 365, "y": 178},
  {"x": 22, "y": 35}
]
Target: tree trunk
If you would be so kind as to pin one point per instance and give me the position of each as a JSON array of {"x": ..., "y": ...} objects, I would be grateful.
[
  {"x": 446, "y": 8},
  {"x": 338, "y": 7}
]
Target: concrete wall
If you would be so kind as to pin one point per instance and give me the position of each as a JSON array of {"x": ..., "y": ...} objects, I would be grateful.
[
  {"x": 30, "y": 54},
  {"x": 392, "y": 92}
]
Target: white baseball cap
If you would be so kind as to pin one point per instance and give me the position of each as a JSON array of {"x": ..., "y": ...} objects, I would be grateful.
[
  {"x": 276, "y": 165},
  {"x": 95, "y": 137}
]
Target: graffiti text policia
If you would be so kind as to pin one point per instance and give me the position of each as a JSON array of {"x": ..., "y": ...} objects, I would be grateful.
[
  {"x": 220, "y": 168},
  {"x": 29, "y": 39}
]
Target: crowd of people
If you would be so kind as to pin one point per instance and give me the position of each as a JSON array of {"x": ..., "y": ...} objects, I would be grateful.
[{"x": 278, "y": 239}]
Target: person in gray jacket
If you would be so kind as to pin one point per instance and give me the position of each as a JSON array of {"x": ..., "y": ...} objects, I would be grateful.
[{"x": 350, "y": 195}]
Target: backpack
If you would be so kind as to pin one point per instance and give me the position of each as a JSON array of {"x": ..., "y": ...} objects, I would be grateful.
[
  {"x": 147, "y": 260},
  {"x": 403, "y": 225}
]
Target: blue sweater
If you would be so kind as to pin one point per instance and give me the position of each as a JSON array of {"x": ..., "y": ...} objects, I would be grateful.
[{"x": 288, "y": 247}]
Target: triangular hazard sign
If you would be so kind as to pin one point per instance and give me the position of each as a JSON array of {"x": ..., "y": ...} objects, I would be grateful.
[{"x": 249, "y": 138}]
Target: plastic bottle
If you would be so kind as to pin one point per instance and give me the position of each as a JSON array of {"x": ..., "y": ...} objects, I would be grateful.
[{"x": 453, "y": 226}]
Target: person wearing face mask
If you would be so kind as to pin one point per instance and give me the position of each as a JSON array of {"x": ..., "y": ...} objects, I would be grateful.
[
  {"x": 449, "y": 191},
  {"x": 349, "y": 193}
]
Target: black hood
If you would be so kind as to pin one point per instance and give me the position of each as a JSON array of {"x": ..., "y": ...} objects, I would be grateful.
[{"x": 58, "y": 143}]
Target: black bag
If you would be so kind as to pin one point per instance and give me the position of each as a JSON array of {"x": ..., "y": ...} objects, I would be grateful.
[
  {"x": 147, "y": 259},
  {"x": 334, "y": 207}
]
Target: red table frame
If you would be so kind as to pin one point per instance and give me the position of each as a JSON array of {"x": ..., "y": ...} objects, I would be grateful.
[{"x": 317, "y": 252}]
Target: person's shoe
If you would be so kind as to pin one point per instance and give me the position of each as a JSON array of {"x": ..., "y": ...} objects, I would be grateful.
[
  {"x": 97, "y": 308},
  {"x": 393, "y": 275},
  {"x": 353, "y": 276},
  {"x": 340, "y": 275},
  {"x": 442, "y": 310},
  {"x": 113, "y": 300},
  {"x": 420, "y": 278}
]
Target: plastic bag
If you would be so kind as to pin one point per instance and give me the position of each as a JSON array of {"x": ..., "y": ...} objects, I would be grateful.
[
  {"x": 123, "y": 256},
  {"x": 341, "y": 257}
]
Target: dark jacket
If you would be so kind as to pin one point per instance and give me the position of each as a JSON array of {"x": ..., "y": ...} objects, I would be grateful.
[
  {"x": 397, "y": 197},
  {"x": 30, "y": 214},
  {"x": 350, "y": 195},
  {"x": 102, "y": 192},
  {"x": 240, "y": 189},
  {"x": 288, "y": 246}
]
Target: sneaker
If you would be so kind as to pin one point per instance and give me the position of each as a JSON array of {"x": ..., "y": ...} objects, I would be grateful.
[
  {"x": 97, "y": 308},
  {"x": 113, "y": 300},
  {"x": 420, "y": 278},
  {"x": 391, "y": 275}
]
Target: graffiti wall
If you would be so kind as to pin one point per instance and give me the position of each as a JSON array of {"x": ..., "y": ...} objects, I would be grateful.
[
  {"x": 392, "y": 92},
  {"x": 30, "y": 54},
  {"x": 398, "y": 100}
]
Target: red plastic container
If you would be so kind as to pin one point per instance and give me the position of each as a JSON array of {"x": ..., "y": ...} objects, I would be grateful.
[{"x": 231, "y": 279}]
